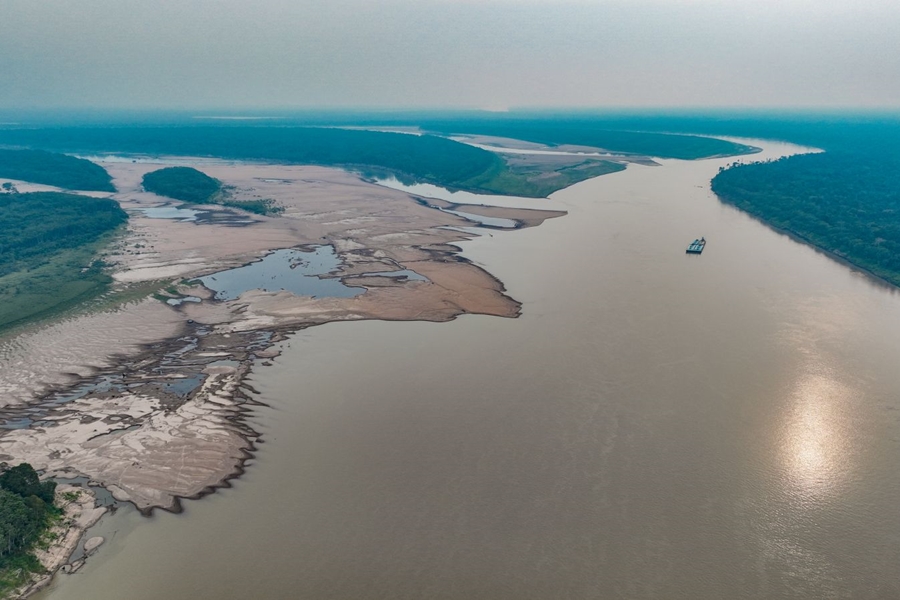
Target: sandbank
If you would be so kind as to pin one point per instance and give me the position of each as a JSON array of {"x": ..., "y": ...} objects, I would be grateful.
[{"x": 149, "y": 399}]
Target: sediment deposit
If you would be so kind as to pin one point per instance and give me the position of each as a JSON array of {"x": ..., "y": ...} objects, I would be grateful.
[{"x": 148, "y": 398}]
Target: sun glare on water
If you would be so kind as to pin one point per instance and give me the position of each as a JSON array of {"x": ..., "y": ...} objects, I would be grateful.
[{"x": 816, "y": 453}]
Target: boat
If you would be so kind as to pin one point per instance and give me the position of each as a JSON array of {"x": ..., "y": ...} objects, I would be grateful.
[{"x": 697, "y": 246}]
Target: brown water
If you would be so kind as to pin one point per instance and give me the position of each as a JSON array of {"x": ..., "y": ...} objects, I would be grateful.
[{"x": 655, "y": 425}]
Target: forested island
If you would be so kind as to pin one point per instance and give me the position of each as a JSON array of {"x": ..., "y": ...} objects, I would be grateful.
[
  {"x": 194, "y": 187},
  {"x": 27, "y": 510},
  {"x": 48, "y": 245}
]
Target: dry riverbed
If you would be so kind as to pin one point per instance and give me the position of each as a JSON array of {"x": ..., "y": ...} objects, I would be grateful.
[{"x": 148, "y": 398}]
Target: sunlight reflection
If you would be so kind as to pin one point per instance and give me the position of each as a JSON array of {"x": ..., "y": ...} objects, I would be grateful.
[{"x": 815, "y": 444}]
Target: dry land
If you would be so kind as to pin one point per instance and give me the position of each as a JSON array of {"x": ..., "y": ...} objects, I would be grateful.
[{"x": 148, "y": 398}]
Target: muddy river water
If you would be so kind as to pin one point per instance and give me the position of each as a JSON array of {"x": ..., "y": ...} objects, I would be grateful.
[{"x": 654, "y": 425}]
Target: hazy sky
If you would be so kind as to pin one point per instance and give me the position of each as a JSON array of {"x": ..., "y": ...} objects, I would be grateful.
[{"x": 449, "y": 53}]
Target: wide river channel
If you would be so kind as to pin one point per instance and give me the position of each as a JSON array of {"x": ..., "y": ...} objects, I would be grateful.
[{"x": 654, "y": 425}]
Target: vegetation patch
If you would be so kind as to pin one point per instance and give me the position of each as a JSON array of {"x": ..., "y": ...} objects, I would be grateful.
[
  {"x": 420, "y": 158},
  {"x": 195, "y": 187},
  {"x": 27, "y": 511},
  {"x": 183, "y": 183},
  {"x": 529, "y": 181},
  {"x": 48, "y": 245},
  {"x": 60, "y": 170},
  {"x": 426, "y": 158}
]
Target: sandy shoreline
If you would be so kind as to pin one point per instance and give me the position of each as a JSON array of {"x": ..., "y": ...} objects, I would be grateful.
[{"x": 79, "y": 514}]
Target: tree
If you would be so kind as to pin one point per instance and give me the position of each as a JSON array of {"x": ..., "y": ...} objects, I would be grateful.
[{"x": 23, "y": 481}]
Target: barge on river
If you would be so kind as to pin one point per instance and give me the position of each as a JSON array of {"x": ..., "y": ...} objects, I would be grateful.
[{"x": 697, "y": 246}]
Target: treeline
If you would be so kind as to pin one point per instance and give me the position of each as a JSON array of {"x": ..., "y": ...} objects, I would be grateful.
[
  {"x": 48, "y": 168},
  {"x": 846, "y": 201},
  {"x": 420, "y": 158},
  {"x": 425, "y": 158},
  {"x": 25, "y": 505},
  {"x": 48, "y": 243}
]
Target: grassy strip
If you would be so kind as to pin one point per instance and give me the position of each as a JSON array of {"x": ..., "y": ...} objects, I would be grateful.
[
  {"x": 513, "y": 181},
  {"x": 48, "y": 245},
  {"x": 259, "y": 207},
  {"x": 594, "y": 134},
  {"x": 60, "y": 282}
]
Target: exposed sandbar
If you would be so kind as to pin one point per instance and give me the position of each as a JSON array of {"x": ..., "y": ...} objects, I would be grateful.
[{"x": 149, "y": 399}]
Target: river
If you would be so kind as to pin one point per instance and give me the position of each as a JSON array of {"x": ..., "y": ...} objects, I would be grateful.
[{"x": 654, "y": 425}]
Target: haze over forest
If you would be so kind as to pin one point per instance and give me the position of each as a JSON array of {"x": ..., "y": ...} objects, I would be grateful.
[{"x": 493, "y": 54}]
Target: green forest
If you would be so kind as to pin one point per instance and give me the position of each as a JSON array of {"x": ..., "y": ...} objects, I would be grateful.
[
  {"x": 192, "y": 186},
  {"x": 847, "y": 203},
  {"x": 420, "y": 158},
  {"x": 425, "y": 158},
  {"x": 48, "y": 168},
  {"x": 27, "y": 510},
  {"x": 182, "y": 183},
  {"x": 48, "y": 243}
]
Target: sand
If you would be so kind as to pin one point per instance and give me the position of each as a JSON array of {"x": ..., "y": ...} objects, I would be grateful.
[{"x": 148, "y": 399}]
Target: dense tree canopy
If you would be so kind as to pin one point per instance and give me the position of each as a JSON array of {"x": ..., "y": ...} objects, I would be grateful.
[
  {"x": 196, "y": 187},
  {"x": 845, "y": 202},
  {"x": 182, "y": 183},
  {"x": 59, "y": 170},
  {"x": 25, "y": 503},
  {"x": 23, "y": 480}
]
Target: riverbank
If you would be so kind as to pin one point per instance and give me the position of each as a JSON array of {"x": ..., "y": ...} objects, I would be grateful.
[
  {"x": 79, "y": 513},
  {"x": 888, "y": 281}
]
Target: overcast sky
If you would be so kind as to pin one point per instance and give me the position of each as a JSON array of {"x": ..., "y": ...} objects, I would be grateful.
[{"x": 449, "y": 53}]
